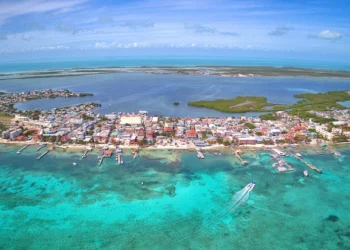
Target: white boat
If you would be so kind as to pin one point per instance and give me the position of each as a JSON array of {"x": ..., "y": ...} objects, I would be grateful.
[
  {"x": 306, "y": 173},
  {"x": 299, "y": 155},
  {"x": 74, "y": 163}
]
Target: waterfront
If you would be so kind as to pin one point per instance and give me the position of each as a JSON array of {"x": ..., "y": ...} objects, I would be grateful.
[
  {"x": 127, "y": 92},
  {"x": 182, "y": 204}
]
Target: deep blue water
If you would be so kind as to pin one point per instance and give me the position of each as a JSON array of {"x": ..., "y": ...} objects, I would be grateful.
[{"x": 131, "y": 92}]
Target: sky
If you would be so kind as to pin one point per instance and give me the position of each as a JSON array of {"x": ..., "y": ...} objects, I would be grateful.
[{"x": 312, "y": 29}]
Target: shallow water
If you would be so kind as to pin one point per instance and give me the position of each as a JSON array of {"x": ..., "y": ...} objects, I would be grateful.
[{"x": 184, "y": 202}]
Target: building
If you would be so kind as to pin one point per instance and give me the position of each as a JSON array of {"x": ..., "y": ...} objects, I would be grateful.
[
  {"x": 6, "y": 134},
  {"x": 15, "y": 133},
  {"x": 247, "y": 140},
  {"x": 132, "y": 120}
]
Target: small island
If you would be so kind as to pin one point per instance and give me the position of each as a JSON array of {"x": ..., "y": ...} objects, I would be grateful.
[{"x": 176, "y": 103}]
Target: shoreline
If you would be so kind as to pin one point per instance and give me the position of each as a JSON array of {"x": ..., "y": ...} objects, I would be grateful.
[
  {"x": 214, "y": 147},
  {"x": 221, "y": 71}
]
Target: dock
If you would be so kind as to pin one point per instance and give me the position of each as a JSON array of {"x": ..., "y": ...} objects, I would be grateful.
[
  {"x": 237, "y": 153},
  {"x": 119, "y": 158},
  {"x": 101, "y": 160},
  {"x": 200, "y": 155},
  {"x": 45, "y": 153},
  {"x": 41, "y": 146},
  {"x": 309, "y": 165},
  {"x": 19, "y": 151},
  {"x": 85, "y": 154},
  {"x": 119, "y": 152},
  {"x": 136, "y": 153}
]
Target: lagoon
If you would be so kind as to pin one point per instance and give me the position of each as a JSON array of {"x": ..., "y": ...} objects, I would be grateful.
[{"x": 131, "y": 92}]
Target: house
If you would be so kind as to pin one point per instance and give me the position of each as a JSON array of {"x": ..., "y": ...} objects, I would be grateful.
[
  {"x": 191, "y": 133},
  {"x": 247, "y": 140}
]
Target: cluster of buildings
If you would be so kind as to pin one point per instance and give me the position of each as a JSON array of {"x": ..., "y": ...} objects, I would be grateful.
[
  {"x": 8, "y": 100},
  {"x": 82, "y": 125}
]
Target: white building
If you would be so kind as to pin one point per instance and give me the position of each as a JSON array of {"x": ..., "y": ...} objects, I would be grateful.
[{"x": 132, "y": 120}]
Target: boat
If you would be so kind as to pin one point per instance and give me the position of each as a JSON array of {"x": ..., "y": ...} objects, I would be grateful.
[
  {"x": 306, "y": 173},
  {"x": 298, "y": 155},
  {"x": 74, "y": 164}
]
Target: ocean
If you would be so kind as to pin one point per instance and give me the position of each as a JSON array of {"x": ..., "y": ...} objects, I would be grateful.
[
  {"x": 172, "y": 200},
  {"x": 155, "y": 93}
]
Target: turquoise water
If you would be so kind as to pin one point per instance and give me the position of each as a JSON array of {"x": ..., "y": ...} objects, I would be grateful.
[
  {"x": 169, "y": 61},
  {"x": 131, "y": 92},
  {"x": 184, "y": 202}
]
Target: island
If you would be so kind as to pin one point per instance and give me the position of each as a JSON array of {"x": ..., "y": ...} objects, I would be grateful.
[
  {"x": 314, "y": 118},
  {"x": 306, "y": 108},
  {"x": 223, "y": 71}
]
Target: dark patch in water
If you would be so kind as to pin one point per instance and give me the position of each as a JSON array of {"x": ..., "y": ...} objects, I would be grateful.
[
  {"x": 347, "y": 234},
  {"x": 301, "y": 239},
  {"x": 171, "y": 190},
  {"x": 32, "y": 185},
  {"x": 332, "y": 218},
  {"x": 287, "y": 205}
]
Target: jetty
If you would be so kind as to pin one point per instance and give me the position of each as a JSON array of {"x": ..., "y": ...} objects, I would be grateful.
[
  {"x": 100, "y": 160},
  {"x": 200, "y": 155},
  {"x": 85, "y": 154},
  {"x": 309, "y": 165},
  {"x": 119, "y": 152},
  {"x": 19, "y": 151},
  {"x": 136, "y": 153},
  {"x": 45, "y": 153},
  {"x": 238, "y": 153},
  {"x": 41, "y": 146}
]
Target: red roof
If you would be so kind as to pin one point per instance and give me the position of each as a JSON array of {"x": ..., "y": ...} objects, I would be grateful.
[{"x": 191, "y": 133}]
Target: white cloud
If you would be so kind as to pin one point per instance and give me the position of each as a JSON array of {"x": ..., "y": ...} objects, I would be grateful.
[
  {"x": 46, "y": 48},
  {"x": 14, "y": 8},
  {"x": 327, "y": 35},
  {"x": 103, "y": 45}
]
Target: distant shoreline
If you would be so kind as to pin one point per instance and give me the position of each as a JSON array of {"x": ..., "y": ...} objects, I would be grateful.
[{"x": 222, "y": 71}]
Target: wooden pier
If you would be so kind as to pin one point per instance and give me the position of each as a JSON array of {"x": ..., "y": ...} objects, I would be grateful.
[
  {"x": 101, "y": 160},
  {"x": 237, "y": 153},
  {"x": 85, "y": 154},
  {"x": 45, "y": 153},
  {"x": 309, "y": 165},
  {"x": 41, "y": 146},
  {"x": 119, "y": 158},
  {"x": 136, "y": 153},
  {"x": 199, "y": 153},
  {"x": 19, "y": 151}
]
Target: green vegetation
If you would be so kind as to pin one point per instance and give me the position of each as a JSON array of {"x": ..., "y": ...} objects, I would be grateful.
[
  {"x": 5, "y": 118},
  {"x": 340, "y": 138},
  {"x": 269, "y": 116},
  {"x": 240, "y": 104},
  {"x": 250, "y": 125},
  {"x": 309, "y": 102},
  {"x": 176, "y": 103}
]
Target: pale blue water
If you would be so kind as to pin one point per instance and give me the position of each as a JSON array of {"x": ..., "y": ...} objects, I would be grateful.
[
  {"x": 131, "y": 92},
  {"x": 182, "y": 204},
  {"x": 166, "y": 61}
]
